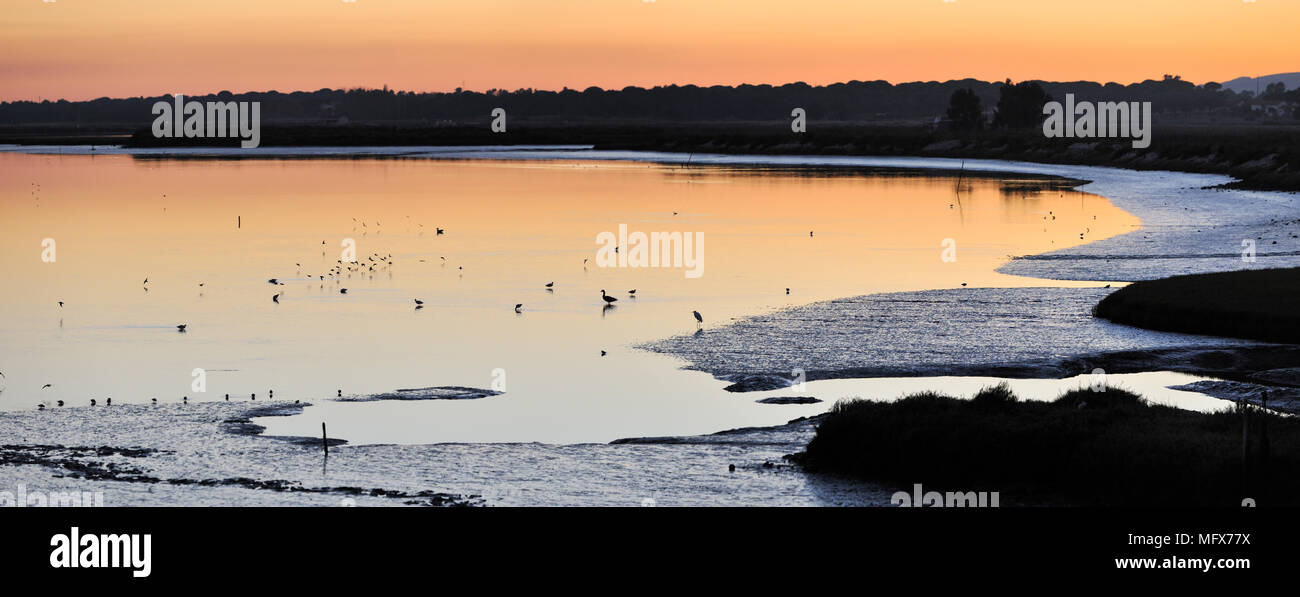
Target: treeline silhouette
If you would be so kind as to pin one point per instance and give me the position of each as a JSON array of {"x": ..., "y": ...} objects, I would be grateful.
[{"x": 851, "y": 101}]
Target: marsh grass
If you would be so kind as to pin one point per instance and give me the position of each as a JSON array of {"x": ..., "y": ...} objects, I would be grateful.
[{"x": 1107, "y": 447}]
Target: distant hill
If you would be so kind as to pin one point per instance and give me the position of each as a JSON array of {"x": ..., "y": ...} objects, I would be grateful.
[{"x": 1240, "y": 84}]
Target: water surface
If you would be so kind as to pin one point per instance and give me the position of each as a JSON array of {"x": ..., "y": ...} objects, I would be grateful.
[{"x": 511, "y": 227}]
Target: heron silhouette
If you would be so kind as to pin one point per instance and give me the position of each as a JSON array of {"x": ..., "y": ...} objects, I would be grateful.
[{"x": 699, "y": 319}]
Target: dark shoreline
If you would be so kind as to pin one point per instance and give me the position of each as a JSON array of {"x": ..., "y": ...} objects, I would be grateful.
[
  {"x": 1250, "y": 304},
  {"x": 1262, "y": 157}
]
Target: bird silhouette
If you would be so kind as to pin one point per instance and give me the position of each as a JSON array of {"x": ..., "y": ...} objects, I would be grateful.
[
  {"x": 699, "y": 319},
  {"x": 60, "y": 304},
  {"x": 46, "y": 386},
  {"x": 608, "y": 299},
  {"x": 343, "y": 291},
  {"x": 518, "y": 306},
  {"x": 550, "y": 284},
  {"x": 181, "y": 327},
  {"x": 419, "y": 302},
  {"x": 633, "y": 291}
]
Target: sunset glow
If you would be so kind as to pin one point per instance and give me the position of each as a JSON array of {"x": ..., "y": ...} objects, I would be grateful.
[{"x": 77, "y": 49}]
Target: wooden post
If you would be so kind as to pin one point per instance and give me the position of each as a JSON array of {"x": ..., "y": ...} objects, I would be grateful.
[
  {"x": 324, "y": 439},
  {"x": 1263, "y": 431},
  {"x": 1245, "y": 444}
]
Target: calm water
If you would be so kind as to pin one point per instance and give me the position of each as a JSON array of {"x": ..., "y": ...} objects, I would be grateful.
[{"x": 511, "y": 227}]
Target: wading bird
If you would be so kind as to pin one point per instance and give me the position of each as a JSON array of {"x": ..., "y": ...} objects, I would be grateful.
[
  {"x": 699, "y": 319},
  {"x": 608, "y": 299},
  {"x": 181, "y": 327}
]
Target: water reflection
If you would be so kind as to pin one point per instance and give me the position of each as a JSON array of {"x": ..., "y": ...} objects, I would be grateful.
[{"x": 471, "y": 239}]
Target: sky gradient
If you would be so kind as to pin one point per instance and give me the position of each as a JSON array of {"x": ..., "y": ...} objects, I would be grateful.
[{"x": 83, "y": 49}]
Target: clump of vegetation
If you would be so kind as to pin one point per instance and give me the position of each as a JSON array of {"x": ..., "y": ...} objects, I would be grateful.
[
  {"x": 1253, "y": 304},
  {"x": 1105, "y": 447}
]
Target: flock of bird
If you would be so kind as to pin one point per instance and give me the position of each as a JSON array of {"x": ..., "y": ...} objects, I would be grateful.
[
  {"x": 383, "y": 262},
  {"x": 373, "y": 262}
]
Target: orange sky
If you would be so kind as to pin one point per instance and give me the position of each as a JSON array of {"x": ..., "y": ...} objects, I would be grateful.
[{"x": 82, "y": 49}]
